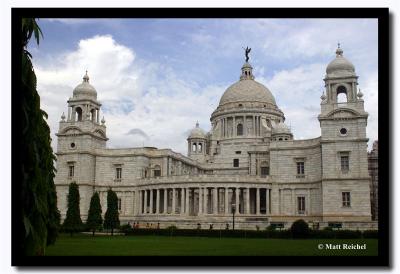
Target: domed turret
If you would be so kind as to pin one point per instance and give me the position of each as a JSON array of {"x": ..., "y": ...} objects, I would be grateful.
[
  {"x": 197, "y": 132},
  {"x": 85, "y": 90},
  {"x": 281, "y": 132},
  {"x": 340, "y": 66},
  {"x": 197, "y": 144}
]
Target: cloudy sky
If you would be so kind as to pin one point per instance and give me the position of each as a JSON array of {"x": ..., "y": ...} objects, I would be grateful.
[{"x": 156, "y": 77}]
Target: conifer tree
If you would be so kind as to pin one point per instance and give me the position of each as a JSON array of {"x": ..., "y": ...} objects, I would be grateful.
[
  {"x": 39, "y": 218},
  {"x": 94, "y": 220},
  {"x": 73, "y": 222},
  {"x": 111, "y": 218}
]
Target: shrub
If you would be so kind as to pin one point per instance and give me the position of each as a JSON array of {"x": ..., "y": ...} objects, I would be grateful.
[
  {"x": 348, "y": 234},
  {"x": 125, "y": 229},
  {"x": 370, "y": 234},
  {"x": 300, "y": 229}
]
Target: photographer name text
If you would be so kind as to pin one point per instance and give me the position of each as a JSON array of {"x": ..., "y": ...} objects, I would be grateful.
[{"x": 343, "y": 246}]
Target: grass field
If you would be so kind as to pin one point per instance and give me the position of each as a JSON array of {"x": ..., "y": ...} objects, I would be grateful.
[{"x": 85, "y": 245}]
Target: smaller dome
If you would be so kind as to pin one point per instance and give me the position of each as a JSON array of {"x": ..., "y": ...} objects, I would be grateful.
[
  {"x": 85, "y": 90},
  {"x": 281, "y": 128},
  {"x": 197, "y": 132},
  {"x": 340, "y": 65}
]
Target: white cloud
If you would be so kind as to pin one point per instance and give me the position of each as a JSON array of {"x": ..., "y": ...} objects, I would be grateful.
[
  {"x": 148, "y": 98},
  {"x": 152, "y": 98}
]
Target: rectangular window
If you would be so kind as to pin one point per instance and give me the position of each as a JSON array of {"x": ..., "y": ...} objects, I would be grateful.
[
  {"x": 71, "y": 171},
  {"x": 346, "y": 199},
  {"x": 119, "y": 204},
  {"x": 118, "y": 173},
  {"x": 157, "y": 173},
  {"x": 235, "y": 162},
  {"x": 301, "y": 204},
  {"x": 344, "y": 163},
  {"x": 300, "y": 168},
  {"x": 264, "y": 171}
]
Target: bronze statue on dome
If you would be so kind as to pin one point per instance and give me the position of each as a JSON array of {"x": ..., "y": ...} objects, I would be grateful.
[{"x": 247, "y": 51}]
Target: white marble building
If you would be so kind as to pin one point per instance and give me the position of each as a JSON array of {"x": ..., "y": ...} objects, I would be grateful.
[{"x": 249, "y": 162}]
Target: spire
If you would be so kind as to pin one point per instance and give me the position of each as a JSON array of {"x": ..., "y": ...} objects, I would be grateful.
[
  {"x": 86, "y": 78},
  {"x": 339, "y": 51},
  {"x": 197, "y": 124}
]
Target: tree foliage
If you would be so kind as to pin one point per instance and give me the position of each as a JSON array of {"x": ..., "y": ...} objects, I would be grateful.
[
  {"x": 73, "y": 222},
  {"x": 111, "y": 218},
  {"x": 300, "y": 229},
  {"x": 39, "y": 215},
  {"x": 94, "y": 220}
]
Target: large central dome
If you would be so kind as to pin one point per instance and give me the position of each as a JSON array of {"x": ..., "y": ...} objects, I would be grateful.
[{"x": 247, "y": 90}]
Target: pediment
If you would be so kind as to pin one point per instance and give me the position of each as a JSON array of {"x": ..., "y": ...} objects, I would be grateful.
[
  {"x": 343, "y": 113},
  {"x": 100, "y": 133},
  {"x": 72, "y": 130}
]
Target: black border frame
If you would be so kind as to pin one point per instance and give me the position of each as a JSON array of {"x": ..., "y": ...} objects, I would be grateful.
[{"x": 384, "y": 97}]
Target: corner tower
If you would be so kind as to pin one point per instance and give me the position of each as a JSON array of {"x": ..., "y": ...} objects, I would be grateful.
[
  {"x": 79, "y": 134},
  {"x": 343, "y": 121}
]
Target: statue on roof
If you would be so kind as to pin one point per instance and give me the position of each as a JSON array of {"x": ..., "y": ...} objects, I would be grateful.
[{"x": 247, "y": 51}]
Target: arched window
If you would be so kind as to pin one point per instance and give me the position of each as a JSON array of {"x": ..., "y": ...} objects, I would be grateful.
[
  {"x": 93, "y": 114},
  {"x": 341, "y": 93},
  {"x": 200, "y": 147},
  {"x": 239, "y": 130},
  {"x": 78, "y": 115},
  {"x": 194, "y": 147}
]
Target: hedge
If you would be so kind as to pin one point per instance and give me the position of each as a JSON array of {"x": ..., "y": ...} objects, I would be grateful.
[{"x": 283, "y": 234}]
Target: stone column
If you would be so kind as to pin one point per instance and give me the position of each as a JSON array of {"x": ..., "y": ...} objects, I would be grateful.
[
  {"x": 206, "y": 200},
  {"x": 173, "y": 200},
  {"x": 237, "y": 201},
  {"x": 226, "y": 201},
  {"x": 244, "y": 126},
  {"x": 258, "y": 201},
  {"x": 187, "y": 209},
  {"x": 182, "y": 201},
  {"x": 234, "y": 127},
  {"x": 293, "y": 202},
  {"x": 165, "y": 211},
  {"x": 247, "y": 201},
  {"x": 145, "y": 201},
  {"x": 200, "y": 200},
  {"x": 98, "y": 114},
  {"x": 151, "y": 201},
  {"x": 308, "y": 205},
  {"x": 158, "y": 202},
  {"x": 215, "y": 200}
]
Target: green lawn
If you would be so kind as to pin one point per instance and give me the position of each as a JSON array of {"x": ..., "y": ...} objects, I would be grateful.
[{"x": 85, "y": 245}]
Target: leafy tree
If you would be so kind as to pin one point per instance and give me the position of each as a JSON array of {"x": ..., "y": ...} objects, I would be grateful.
[
  {"x": 73, "y": 222},
  {"x": 94, "y": 220},
  {"x": 111, "y": 218},
  {"x": 39, "y": 218},
  {"x": 300, "y": 229}
]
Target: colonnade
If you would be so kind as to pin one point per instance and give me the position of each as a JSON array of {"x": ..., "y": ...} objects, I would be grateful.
[
  {"x": 194, "y": 201},
  {"x": 229, "y": 125}
]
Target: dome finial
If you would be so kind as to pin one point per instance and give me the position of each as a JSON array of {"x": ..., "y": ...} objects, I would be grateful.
[
  {"x": 86, "y": 77},
  {"x": 197, "y": 124},
  {"x": 339, "y": 51},
  {"x": 246, "y": 53}
]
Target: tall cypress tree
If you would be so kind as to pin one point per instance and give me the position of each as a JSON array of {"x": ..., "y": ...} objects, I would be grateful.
[
  {"x": 39, "y": 216},
  {"x": 94, "y": 220},
  {"x": 111, "y": 218},
  {"x": 73, "y": 222}
]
